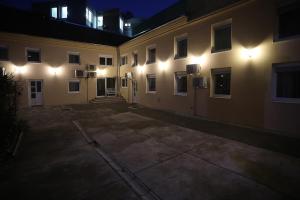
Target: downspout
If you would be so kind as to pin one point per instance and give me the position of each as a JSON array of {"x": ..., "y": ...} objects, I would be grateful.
[{"x": 118, "y": 71}]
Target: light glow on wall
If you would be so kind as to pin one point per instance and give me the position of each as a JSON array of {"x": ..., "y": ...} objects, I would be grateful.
[
  {"x": 250, "y": 53},
  {"x": 164, "y": 65},
  {"x": 199, "y": 60},
  {"x": 55, "y": 70},
  {"x": 101, "y": 72},
  {"x": 20, "y": 69},
  {"x": 140, "y": 69}
]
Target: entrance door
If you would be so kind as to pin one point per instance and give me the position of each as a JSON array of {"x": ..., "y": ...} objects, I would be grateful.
[
  {"x": 134, "y": 91},
  {"x": 36, "y": 94},
  {"x": 110, "y": 86},
  {"x": 100, "y": 87}
]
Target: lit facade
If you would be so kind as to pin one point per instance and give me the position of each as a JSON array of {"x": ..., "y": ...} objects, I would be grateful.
[{"x": 243, "y": 78}]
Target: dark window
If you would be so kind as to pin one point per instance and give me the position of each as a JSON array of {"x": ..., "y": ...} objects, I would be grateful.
[
  {"x": 151, "y": 80},
  {"x": 181, "y": 48},
  {"x": 124, "y": 82},
  {"x": 289, "y": 20},
  {"x": 181, "y": 82},
  {"x": 3, "y": 53},
  {"x": 151, "y": 55},
  {"x": 111, "y": 83},
  {"x": 222, "y": 38},
  {"x": 288, "y": 82},
  {"x": 33, "y": 56},
  {"x": 74, "y": 58},
  {"x": 135, "y": 60},
  {"x": 109, "y": 61},
  {"x": 74, "y": 86},
  {"x": 124, "y": 60},
  {"x": 102, "y": 61},
  {"x": 222, "y": 83}
]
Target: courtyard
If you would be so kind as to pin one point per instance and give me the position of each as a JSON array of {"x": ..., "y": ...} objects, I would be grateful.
[{"x": 124, "y": 152}]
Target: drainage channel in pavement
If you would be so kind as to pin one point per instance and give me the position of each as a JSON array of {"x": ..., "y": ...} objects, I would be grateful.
[{"x": 135, "y": 183}]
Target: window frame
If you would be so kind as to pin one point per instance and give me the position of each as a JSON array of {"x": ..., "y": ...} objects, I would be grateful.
[
  {"x": 106, "y": 57},
  {"x": 73, "y": 81},
  {"x": 74, "y": 54},
  {"x": 150, "y": 76},
  {"x": 274, "y": 83},
  {"x": 51, "y": 14},
  {"x": 33, "y": 49},
  {"x": 217, "y": 26},
  {"x": 214, "y": 72},
  {"x": 176, "y": 40},
  {"x": 7, "y": 51},
  {"x": 135, "y": 62},
  {"x": 62, "y": 12},
  {"x": 126, "y": 81},
  {"x": 148, "y": 48},
  {"x": 181, "y": 74},
  {"x": 126, "y": 60}
]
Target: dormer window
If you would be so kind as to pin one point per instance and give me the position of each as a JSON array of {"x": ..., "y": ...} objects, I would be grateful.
[
  {"x": 64, "y": 12},
  {"x": 54, "y": 12},
  {"x": 100, "y": 22}
]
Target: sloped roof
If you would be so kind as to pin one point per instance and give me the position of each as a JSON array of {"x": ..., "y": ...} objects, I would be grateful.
[{"x": 24, "y": 22}]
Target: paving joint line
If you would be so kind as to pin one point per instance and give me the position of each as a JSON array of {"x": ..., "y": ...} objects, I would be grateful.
[{"x": 139, "y": 188}]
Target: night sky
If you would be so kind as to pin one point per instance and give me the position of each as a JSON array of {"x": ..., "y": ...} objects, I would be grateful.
[{"x": 140, "y": 8}]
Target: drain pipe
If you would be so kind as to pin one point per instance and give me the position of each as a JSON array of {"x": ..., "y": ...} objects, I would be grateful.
[{"x": 118, "y": 71}]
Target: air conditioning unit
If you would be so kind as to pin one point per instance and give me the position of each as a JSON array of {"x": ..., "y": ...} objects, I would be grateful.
[
  {"x": 91, "y": 68},
  {"x": 128, "y": 75},
  {"x": 192, "y": 69},
  {"x": 91, "y": 74},
  {"x": 79, "y": 74},
  {"x": 200, "y": 82}
]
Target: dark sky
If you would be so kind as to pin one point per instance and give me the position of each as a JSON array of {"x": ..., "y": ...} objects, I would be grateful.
[{"x": 140, "y": 8}]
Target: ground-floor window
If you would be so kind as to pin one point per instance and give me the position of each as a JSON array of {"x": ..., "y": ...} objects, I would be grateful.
[
  {"x": 74, "y": 86},
  {"x": 286, "y": 82},
  {"x": 124, "y": 82},
  {"x": 181, "y": 83},
  {"x": 221, "y": 82},
  {"x": 151, "y": 83}
]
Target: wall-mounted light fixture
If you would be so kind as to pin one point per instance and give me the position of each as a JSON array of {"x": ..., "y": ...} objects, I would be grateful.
[
  {"x": 101, "y": 72},
  {"x": 250, "y": 53},
  {"x": 55, "y": 70},
  {"x": 200, "y": 60},
  {"x": 164, "y": 65},
  {"x": 141, "y": 69},
  {"x": 20, "y": 69}
]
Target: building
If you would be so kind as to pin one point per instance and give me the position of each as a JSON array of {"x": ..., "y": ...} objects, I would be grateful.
[
  {"x": 81, "y": 12},
  {"x": 232, "y": 61}
]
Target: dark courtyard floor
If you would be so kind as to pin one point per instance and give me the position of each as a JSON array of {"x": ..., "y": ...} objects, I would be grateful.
[{"x": 170, "y": 157}]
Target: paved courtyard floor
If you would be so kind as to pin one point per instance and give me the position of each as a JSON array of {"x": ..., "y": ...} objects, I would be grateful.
[{"x": 172, "y": 160}]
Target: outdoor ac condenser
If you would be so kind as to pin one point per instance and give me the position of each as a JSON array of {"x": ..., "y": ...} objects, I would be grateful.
[
  {"x": 79, "y": 74},
  {"x": 192, "y": 69},
  {"x": 91, "y": 68}
]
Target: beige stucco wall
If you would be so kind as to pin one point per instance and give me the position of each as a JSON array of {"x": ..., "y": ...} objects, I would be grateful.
[
  {"x": 253, "y": 25},
  {"x": 54, "y": 53}
]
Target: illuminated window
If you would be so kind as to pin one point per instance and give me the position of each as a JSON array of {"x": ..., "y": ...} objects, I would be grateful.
[
  {"x": 135, "y": 59},
  {"x": 121, "y": 24},
  {"x": 64, "y": 12},
  {"x": 221, "y": 82},
  {"x": 288, "y": 20},
  {"x": 127, "y": 24},
  {"x": 124, "y": 82},
  {"x": 181, "y": 47},
  {"x": 33, "y": 55},
  {"x": 3, "y": 53},
  {"x": 124, "y": 60},
  {"x": 221, "y": 36},
  {"x": 74, "y": 86},
  {"x": 151, "y": 55},
  {"x": 151, "y": 83},
  {"x": 100, "y": 22},
  {"x": 181, "y": 83},
  {"x": 54, "y": 13},
  {"x": 286, "y": 82},
  {"x": 74, "y": 58}
]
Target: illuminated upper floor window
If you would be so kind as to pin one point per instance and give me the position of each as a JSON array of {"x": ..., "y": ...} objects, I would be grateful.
[
  {"x": 288, "y": 20},
  {"x": 121, "y": 24},
  {"x": 99, "y": 21},
  {"x": 64, "y": 12},
  {"x": 54, "y": 13},
  {"x": 89, "y": 15}
]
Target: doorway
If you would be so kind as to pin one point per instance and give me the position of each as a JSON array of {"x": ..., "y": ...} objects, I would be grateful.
[
  {"x": 101, "y": 87},
  {"x": 36, "y": 92},
  {"x": 106, "y": 87},
  {"x": 134, "y": 91}
]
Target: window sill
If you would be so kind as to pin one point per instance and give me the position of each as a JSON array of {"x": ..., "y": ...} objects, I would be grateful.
[
  {"x": 289, "y": 38},
  {"x": 221, "y": 96},
  {"x": 286, "y": 100},
  {"x": 124, "y": 87},
  {"x": 151, "y": 92},
  {"x": 181, "y": 94},
  {"x": 73, "y": 92},
  {"x": 34, "y": 62},
  {"x": 220, "y": 50},
  {"x": 74, "y": 63},
  {"x": 150, "y": 63},
  {"x": 179, "y": 57}
]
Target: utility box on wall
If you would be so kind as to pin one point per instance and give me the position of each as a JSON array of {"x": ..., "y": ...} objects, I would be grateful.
[
  {"x": 200, "y": 82},
  {"x": 192, "y": 69}
]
